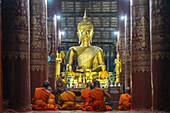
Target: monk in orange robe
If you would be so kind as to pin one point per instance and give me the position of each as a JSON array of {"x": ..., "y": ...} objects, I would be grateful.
[
  {"x": 125, "y": 101},
  {"x": 51, "y": 99},
  {"x": 85, "y": 96},
  {"x": 67, "y": 101},
  {"x": 96, "y": 98},
  {"x": 41, "y": 98}
]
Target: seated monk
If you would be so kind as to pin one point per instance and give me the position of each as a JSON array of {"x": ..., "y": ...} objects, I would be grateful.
[
  {"x": 51, "y": 99},
  {"x": 96, "y": 98},
  {"x": 125, "y": 101},
  {"x": 41, "y": 98},
  {"x": 85, "y": 96},
  {"x": 67, "y": 101}
]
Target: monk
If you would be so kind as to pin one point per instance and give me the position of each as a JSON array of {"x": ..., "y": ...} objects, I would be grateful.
[
  {"x": 96, "y": 98},
  {"x": 51, "y": 99},
  {"x": 41, "y": 99},
  {"x": 125, "y": 101},
  {"x": 85, "y": 96},
  {"x": 67, "y": 101}
]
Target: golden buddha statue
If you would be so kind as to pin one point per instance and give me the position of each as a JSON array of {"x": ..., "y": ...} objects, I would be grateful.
[
  {"x": 70, "y": 75},
  {"x": 70, "y": 72},
  {"x": 90, "y": 58},
  {"x": 118, "y": 68},
  {"x": 58, "y": 62},
  {"x": 104, "y": 73}
]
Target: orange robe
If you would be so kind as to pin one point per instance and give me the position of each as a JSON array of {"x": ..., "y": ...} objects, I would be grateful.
[
  {"x": 125, "y": 102},
  {"x": 71, "y": 73},
  {"x": 67, "y": 101},
  {"x": 97, "y": 100},
  {"x": 39, "y": 101},
  {"x": 103, "y": 74},
  {"x": 85, "y": 96}
]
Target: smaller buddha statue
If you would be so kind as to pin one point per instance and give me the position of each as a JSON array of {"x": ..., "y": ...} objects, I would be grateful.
[
  {"x": 70, "y": 72},
  {"x": 104, "y": 73},
  {"x": 70, "y": 75},
  {"x": 58, "y": 62},
  {"x": 118, "y": 68}
]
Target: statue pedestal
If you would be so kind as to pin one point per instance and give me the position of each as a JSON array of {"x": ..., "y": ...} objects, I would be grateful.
[{"x": 115, "y": 95}]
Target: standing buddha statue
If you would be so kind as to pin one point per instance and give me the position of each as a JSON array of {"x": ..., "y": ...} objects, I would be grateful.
[
  {"x": 58, "y": 62},
  {"x": 118, "y": 68}
]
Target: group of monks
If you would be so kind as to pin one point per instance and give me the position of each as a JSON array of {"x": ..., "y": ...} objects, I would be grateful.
[{"x": 93, "y": 99}]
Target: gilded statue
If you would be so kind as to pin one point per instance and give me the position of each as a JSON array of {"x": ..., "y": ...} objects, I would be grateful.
[
  {"x": 70, "y": 72},
  {"x": 104, "y": 73},
  {"x": 58, "y": 62},
  {"x": 90, "y": 58},
  {"x": 118, "y": 68}
]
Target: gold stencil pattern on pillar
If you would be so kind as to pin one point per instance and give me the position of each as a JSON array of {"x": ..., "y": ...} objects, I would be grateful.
[
  {"x": 38, "y": 39},
  {"x": 16, "y": 30},
  {"x": 160, "y": 31},
  {"x": 51, "y": 47},
  {"x": 141, "y": 39}
]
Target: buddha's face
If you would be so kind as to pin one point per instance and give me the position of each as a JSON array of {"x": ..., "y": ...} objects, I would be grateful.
[
  {"x": 85, "y": 33},
  {"x": 70, "y": 68},
  {"x": 103, "y": 68}
]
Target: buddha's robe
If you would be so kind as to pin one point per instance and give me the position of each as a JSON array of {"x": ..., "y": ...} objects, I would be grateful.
[
  {"x": 96, "y": 97},
  {"x": 67, "y": 101},
  {"x": 85, "y": 96},
  {"x": 90, "y": 57},
  {"x": 125, "y": 102},
  {"x": 70, "y": 73},
  {"x": 104, "y": 74},
  {"x": 40, "y": 100}
]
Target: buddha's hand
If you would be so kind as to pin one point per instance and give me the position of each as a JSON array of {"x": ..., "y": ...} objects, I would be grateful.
[{"x": 87, "y": 70}]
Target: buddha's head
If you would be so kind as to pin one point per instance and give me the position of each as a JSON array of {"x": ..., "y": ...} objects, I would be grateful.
[
  {"x": 70, "y": 68},
  {"x": 85, "y": 30},
  {"x": 103, "y": 67},
  {"x": 118, "y": 55}
]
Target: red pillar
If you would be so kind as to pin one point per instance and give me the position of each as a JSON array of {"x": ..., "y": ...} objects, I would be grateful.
[
  {"x": 16, "y": 53},
  {"x": 141, "y": 73},
  {"x": 51, "y": 9},
  {"x": 127, "y": 44},
  {"x": 121, "y": 45},
  {"x": 161, "y": 54},
  {"x": 52, "y": 53},
  {"x": 1, "y": 87},
  {"x": 38, "y": 43}
]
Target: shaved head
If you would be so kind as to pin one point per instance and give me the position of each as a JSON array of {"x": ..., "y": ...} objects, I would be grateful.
[
  {"x": 89, "y": 84},
  {"x": 46, "y": 84},
  {"x": 96, "y": 83}
]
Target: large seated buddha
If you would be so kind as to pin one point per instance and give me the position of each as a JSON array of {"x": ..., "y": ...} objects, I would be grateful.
[{"x": 90, "y": 58}]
